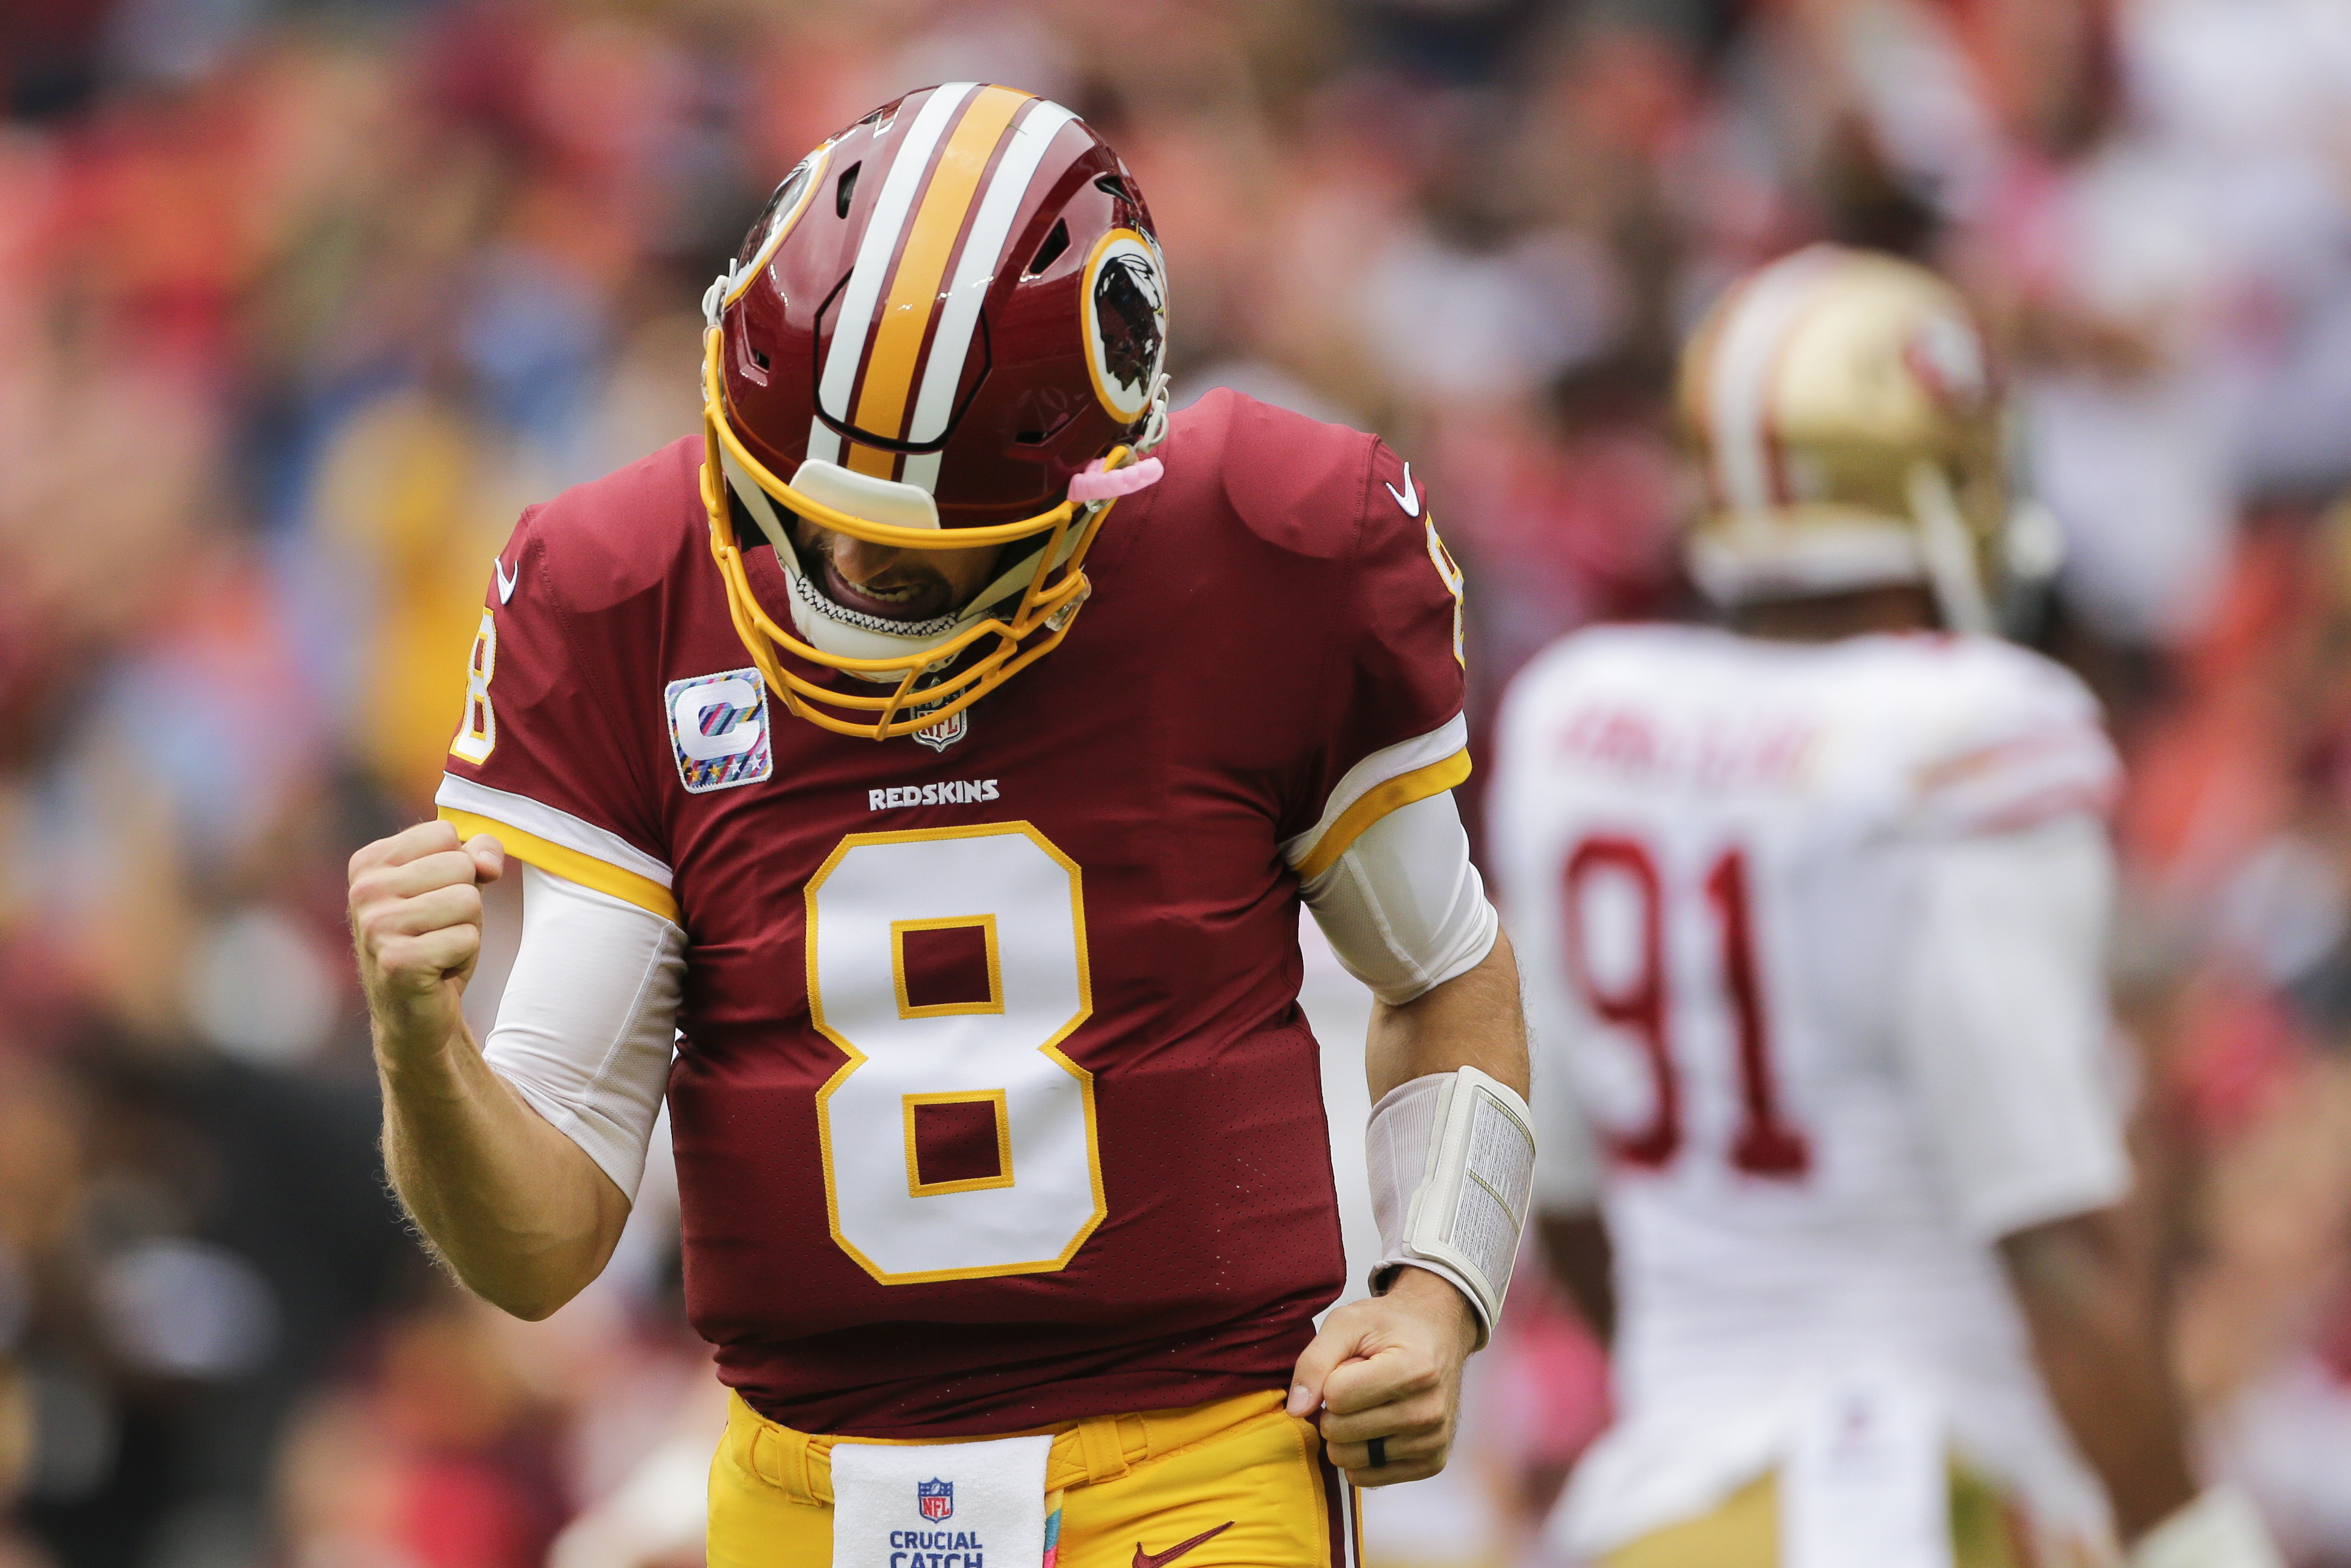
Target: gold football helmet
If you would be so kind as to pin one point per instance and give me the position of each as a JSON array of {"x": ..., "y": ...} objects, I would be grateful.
[{"x": 1847, "y": 416}]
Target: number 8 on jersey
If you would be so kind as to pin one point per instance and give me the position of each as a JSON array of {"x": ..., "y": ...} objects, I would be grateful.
[{"x": 949, "y": 964}]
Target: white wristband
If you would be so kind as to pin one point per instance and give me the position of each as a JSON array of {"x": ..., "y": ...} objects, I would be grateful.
[
  {"x": 2219, "y": 1530},
  {"x": 1465, "y": 1144}
]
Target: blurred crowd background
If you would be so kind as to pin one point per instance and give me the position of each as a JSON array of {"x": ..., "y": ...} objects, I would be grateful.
[{"x": 301, "y": 301}]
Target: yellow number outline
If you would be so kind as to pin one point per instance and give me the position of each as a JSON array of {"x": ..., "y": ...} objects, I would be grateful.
[
  {"x": 1451, "y": 574},
  {"x": 915, "y": 1186},
  {"x": 1049, "y": 1048},
  {"x": 986, "y": 925}
]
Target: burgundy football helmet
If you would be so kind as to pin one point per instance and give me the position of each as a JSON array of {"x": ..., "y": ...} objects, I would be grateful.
[{"x": 946, "y": 315}]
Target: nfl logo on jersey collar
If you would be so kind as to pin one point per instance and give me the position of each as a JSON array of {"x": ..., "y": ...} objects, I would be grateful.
[
  {"x": 718, "y": 729},
  {"x": 935, "y": 1499}
]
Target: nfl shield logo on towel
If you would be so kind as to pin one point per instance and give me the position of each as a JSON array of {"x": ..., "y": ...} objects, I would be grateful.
[{"x": 935, "y": 1499}]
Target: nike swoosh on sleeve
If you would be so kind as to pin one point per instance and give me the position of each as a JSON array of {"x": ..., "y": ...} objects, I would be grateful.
[
  {"x": 1160, "y": 1559},
  {"x": 1407, "y": 497},
  {"x": 505, "y": 583}
]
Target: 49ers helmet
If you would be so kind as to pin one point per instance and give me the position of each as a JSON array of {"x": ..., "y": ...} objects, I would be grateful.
[
  {"x": 1845, "y": 414},
  {"x": 947, "y": 314}
]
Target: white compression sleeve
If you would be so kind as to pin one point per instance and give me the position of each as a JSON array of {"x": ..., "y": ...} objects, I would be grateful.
[
  {"x": 1404, "y": 909},
  {"x": 2004, "y": 1025},
  {"x": 586, "y": 1025}
]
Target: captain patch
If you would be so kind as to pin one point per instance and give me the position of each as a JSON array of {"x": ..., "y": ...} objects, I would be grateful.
[{"x": 718, "y": 729}]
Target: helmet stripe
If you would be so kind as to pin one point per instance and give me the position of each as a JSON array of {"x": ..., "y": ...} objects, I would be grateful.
[
  {"x": 914, "y": 298},
  {"x": 1746, "y": 363},
  {"x": 854, "y": 322},
  {"x": 982, "y": 258}
]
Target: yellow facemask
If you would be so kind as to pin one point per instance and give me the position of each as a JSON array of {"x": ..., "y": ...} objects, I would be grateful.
[{"x": 1048, "y": 606}]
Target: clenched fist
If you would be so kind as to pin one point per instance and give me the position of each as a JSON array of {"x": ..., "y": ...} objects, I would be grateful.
[
  {"x": 1389, "y": 1369},
  {"x": 416, "y": 921}
]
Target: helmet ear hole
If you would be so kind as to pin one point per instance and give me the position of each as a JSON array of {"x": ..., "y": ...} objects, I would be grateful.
[
  {"x": 844, "y": 190},
  {"x": 1050, "y": 251}
]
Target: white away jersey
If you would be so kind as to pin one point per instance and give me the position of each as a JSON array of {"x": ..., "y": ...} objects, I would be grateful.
[{"x": 1812, "y": 939}]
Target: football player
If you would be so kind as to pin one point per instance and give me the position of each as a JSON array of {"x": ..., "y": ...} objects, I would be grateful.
[
  {"x": 1817, "y": 905},
  {"x": 936, "y": 753}
]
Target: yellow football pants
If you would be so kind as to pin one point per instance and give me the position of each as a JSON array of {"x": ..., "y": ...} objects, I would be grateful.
[
  {"x": 1242, "y": 1476},
  {"x": 1744, "y": 1532}
]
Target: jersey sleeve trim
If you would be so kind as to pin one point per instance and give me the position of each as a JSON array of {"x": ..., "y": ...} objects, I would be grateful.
[
  {"x": 1391, "y": 777},
  {"x": 558, "y": 842},
  {"x": 2021, "y": 782}
]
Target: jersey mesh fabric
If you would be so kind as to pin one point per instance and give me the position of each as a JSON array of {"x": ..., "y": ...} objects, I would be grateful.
[
  {"x": 1786, "y": 799},
  {"x": 1263, "y": 619}
]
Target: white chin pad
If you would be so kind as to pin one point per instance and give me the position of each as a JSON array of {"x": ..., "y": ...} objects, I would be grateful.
[
  {"x": 863, "y": 495},
  {"x": 1465, "y": 1143}
]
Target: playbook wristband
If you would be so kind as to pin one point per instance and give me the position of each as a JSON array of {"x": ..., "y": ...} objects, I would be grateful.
[{"x": 1452, "y": 1159}]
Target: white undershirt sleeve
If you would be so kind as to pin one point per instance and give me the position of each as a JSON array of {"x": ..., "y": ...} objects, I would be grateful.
[
  {"x": 2005, "y": 1024},
  {"x": 1404, "y": 909},
  {"x": 588, "y": 1018}
]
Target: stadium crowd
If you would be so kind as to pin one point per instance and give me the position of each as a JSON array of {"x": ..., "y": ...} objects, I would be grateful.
[{"x": 300, "y": 302}]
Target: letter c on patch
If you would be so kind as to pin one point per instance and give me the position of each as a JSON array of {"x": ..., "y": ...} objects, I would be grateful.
[{"x": 695, "y": 700}]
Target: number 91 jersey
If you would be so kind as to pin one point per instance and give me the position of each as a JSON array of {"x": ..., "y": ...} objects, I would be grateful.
[
  {"x": 992, "y": 1103},
  {"x": 1713, "y": 852}
]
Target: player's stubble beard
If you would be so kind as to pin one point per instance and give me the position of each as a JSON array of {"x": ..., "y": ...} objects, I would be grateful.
[{"x": 894, "y": 584}]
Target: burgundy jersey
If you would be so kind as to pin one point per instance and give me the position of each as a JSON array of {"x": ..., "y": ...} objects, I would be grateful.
[{"x": 993, "y": 1104}]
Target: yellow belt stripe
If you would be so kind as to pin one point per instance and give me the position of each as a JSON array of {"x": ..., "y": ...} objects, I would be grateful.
[
  {"x": 1377, "y": 802},
  {"x": 922, "y": 267},
  {"x": 586, "y": 869}
]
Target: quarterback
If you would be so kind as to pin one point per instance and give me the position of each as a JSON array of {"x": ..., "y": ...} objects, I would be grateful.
[
  {"x": 1818, "y": 906},
  {"x": 914, "y": 780}
]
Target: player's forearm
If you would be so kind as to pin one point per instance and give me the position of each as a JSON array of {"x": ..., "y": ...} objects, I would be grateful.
[
  {"x": 2097, "y": 1335},
  {"x": 1473, "y": 1019},
  {"x": 519, "y": 1212}
]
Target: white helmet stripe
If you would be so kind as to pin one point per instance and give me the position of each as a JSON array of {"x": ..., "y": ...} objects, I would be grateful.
[
  {"x": 854, "y": 321},
  {"x": 982, "y": 257},
  {"x": 1738, "y": 386}
]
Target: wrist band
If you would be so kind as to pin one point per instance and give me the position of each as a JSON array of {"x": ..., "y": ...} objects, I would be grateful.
[{"x": 1452, "y": 1158}]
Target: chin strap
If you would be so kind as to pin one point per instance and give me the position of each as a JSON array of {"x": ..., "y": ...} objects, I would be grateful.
[
  {"x": 713, "y": 299},
  {"x": 1946, "y": 551},
  {"x": 1155, "y": 428}
]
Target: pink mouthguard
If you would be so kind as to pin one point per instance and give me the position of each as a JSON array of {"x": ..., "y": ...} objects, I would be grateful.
[{"x": 1098, "y": 485}]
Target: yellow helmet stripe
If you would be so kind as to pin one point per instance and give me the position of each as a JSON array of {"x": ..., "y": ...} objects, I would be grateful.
[
  {"x": 983, "y": 256},
  {"x": 922, "y": 267}
]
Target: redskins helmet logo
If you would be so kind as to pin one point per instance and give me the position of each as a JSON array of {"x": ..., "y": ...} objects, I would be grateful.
[{"x": 1125, "y": 307}]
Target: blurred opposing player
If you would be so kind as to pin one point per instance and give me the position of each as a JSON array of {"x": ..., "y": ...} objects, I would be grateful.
[
  {"x": 1814, "y": 909},
  {"x": 1004, "y": 1184}
]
